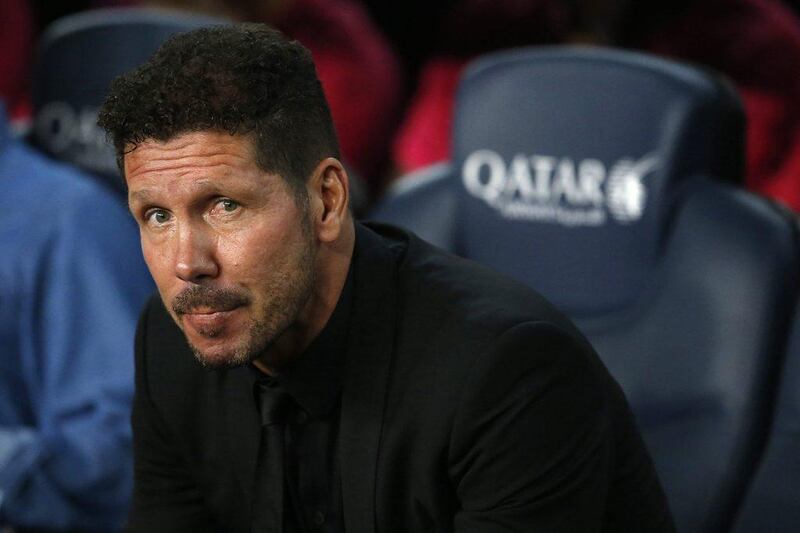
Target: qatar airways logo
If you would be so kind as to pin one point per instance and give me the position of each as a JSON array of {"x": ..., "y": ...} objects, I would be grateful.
[{"x": 560, "y": 190}]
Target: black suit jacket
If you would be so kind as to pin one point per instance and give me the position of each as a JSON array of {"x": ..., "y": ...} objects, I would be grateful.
[{"x": 469, "y": 404}]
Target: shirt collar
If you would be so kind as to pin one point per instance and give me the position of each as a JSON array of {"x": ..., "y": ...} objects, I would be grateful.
[{"x": 314, "y": 380}]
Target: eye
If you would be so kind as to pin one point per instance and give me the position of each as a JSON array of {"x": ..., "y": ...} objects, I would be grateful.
[
  {"x": 157, "y": 217},
  {"x": 225, "y": 207},
  {"x": 229, "y": 205}
]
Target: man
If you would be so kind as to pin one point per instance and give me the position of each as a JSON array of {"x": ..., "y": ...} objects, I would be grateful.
[
  {"x": 416, "y": 391},
  {"x": 72, "y": 281}
]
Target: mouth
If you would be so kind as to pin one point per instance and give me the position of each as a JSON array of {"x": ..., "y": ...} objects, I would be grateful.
[
  {"x": 202, "y": 310},
  {"x": 210, "y": 312},
  {"x": 209, "y": 322}
]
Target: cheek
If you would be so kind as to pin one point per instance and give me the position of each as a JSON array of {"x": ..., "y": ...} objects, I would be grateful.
[
  {"x": 159, "y": 263},
  {"x": 243, "y": 260},
  {"x": 235, "y": 250},
  {"x": 249, "y": 252}
]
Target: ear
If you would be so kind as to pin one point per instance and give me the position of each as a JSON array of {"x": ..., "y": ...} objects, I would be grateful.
[{"x": 329, "y": 196}]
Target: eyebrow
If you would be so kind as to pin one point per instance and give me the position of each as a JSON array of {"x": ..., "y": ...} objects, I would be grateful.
[
  {"x": 142, "y": 196},
  {"x": 201, "y": 186}
]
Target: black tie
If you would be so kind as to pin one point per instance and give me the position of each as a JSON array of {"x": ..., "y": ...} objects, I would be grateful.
[{"x": 268, "y": 492}]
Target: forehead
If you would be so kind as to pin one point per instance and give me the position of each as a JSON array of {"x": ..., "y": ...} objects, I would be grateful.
[{"x": 190, "y": 153}]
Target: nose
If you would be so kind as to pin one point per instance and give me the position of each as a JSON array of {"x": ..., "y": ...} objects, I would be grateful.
[{"x": 195, "y": 259}]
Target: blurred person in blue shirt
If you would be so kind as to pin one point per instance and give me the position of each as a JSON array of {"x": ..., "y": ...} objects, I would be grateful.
[{"x": 72, "y": 281}]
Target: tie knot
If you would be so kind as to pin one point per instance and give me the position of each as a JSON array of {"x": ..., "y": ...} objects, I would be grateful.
[{"x": 273, "y": 403}]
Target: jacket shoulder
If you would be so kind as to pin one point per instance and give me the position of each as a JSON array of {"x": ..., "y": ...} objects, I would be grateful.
[{"x": 448, "y": 288}]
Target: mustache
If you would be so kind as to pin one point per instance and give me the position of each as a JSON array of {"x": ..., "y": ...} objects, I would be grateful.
[{"x": 213, "y": 299}]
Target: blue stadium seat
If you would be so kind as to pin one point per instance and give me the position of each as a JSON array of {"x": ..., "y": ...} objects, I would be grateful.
[
  {"x": 79, "y": 56},
  {"x": 599, "y": 177},
  {"x": 772, "y": 504},
  {"x": 424, "y": 201}
]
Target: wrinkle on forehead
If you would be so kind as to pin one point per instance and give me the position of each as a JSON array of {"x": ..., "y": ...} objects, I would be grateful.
[
  {"x": 196, "y": 164},
  {"x": 188, "y": 152}
]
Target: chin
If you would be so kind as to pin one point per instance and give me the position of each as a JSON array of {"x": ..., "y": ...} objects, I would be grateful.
[
  {"x": 230, "y": 347},
  {"x": 222, "y": 357}
]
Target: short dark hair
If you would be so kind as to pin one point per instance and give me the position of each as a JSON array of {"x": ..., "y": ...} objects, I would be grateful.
[{"x": 240, "y": 78}]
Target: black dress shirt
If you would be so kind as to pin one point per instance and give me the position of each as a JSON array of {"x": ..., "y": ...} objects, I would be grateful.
[{"x": 312, "y": 484}]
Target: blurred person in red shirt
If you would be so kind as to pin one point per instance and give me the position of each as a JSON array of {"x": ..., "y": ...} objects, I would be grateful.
[{"x": 16, "y": 41}]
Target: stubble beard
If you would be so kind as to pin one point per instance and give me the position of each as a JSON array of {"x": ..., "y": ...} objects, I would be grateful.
[
  {"x": 285, "y": 297},
  {"x": 279, "y": 313}
]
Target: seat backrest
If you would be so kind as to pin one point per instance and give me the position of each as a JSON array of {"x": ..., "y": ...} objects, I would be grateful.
[
  {"x": 773, "y": 499},
  {"x": 597, "y": 177},
  {"x": 424, "y": 202},
  {"x": 78, "y": 57},
  {"x": 585, "y": 150}
]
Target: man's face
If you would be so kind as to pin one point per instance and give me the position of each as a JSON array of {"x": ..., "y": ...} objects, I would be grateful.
[{"x": 228, "y": 244}]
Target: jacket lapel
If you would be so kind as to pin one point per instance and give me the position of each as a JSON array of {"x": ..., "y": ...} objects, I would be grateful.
[{"x": 368, "y": 355}]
